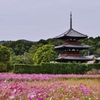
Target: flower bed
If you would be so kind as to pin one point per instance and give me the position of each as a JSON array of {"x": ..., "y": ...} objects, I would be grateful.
[
  {"x": 49, "y": 87},
  {"x": 32, "y": 77}
]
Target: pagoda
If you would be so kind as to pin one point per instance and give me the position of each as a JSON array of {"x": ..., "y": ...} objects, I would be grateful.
[{"x": 70, "y": 49}]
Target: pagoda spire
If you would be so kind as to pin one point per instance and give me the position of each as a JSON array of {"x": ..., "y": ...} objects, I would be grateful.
[{"x": 70, "y": 20}]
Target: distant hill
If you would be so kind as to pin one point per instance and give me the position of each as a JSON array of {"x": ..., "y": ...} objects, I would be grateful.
[
  {"x": 25, "y": 40},
  {"x": 1, "y": 42}
]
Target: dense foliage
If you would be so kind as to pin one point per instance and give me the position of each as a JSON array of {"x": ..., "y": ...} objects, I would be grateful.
[
  {"x": 19, "y": 46},
  {"x": 29, "y": 52},
  {"x": 95, "y": 45},
  {"x": 4, "y": 58},
  {"x": 4, "y": 54}
]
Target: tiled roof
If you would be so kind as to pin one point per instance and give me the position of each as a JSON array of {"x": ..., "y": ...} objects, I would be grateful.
[
  {"x": 71, "y": 33},
  {"x": 74, "y": 58},
  {"x": 98, "y": 58}
]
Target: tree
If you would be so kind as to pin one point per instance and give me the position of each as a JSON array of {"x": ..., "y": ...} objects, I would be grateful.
[
  {"x": 4, "y": 54},
  {"x": 54, "y": 41},
  {"x": 97, "y": 52},
  {"x": 19, "y": 47},
  {"x": 26, "y": 58},
  {"x": 42, "y": 41},
  {"x": 34, "y": 48},
  {"x": 4, "y": 58},
  {"x": 45, "y": 53}
]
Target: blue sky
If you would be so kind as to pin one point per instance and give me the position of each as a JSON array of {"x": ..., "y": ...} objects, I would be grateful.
[{"x": 42, "y": 19}]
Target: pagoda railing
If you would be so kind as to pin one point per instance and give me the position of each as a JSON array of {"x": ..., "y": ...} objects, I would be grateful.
[
  {"x": 71, "y": 42},
  {"x": 77, "y": 55}
]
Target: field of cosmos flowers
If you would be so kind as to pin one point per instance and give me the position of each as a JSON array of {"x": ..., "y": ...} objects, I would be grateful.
[{"x": 49, "y": 87}]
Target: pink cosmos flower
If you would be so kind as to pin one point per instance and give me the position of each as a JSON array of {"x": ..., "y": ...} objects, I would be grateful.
[
  {"x": 40, "y": 99},
  {"x": 86, "y": 92}
]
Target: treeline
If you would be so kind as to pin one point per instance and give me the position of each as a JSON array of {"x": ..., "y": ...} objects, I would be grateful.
[
  {"x": 29, "y": 52},
  {"x": 20, "y": 47}
]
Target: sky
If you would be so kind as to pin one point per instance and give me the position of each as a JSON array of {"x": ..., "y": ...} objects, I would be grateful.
[{"x": 43, "y": 19}]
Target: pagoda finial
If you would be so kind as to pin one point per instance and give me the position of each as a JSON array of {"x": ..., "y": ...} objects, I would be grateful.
[{"x": 70, "y": 20}]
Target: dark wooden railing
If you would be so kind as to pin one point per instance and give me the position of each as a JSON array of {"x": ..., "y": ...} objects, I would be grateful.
[
  {"x": 71, "y": 42},
  {"x": 77, "y": 55}
]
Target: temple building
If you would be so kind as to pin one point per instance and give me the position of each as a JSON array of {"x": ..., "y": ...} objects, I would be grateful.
[{"x": 70, "y": 49}]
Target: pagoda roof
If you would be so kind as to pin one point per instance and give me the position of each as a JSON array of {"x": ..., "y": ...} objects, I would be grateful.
[
  {"x": 74, "y": 58},
  {"x": 72, "y": 46},
  {"x": 71, "y": 33}
]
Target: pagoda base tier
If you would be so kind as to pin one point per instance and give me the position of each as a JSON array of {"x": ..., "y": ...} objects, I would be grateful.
[{"x": 73, "y": 58}]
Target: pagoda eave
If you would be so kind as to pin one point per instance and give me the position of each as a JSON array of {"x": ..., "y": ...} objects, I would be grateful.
[
  {"x": 78, "y": 38},
  {"x": 73, "y": 58},
  {"x": 71, "y": 46},
  {"x": 71, "y": 33},
  {"x": 67, "y": 37}
]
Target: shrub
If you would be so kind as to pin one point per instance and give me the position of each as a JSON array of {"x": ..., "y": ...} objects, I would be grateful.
[
  {"x": 93, "y": 66},
  {"x": 9, "y": 67},
  {"x": 52, "y": 68},
  {"x": 56, "y": 68},
  {"x": 23, "y": 68}
]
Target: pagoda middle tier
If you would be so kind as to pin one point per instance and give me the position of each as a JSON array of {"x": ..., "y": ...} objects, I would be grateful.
[{"x": 71, "y": 48}]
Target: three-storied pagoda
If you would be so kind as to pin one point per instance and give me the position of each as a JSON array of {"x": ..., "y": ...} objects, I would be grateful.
[{"x": 70, "y": 50}]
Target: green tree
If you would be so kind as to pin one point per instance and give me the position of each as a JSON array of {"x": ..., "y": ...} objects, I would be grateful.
[
  {"x": 4, "y": 54},
  {"x": 45, "y": 53},
  {"x": 19, "y": 47},
  {"x": 54, "y": 41},
  {"x": 34, "y": 48},
  {"x": 4, "y": 58},
  {"x": 97, "y": 52},
  {"x": 27, "y": 58},
  {"x": 42, "y": 42}
]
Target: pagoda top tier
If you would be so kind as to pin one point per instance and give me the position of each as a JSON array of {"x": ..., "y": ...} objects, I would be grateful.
[{"x": 71, "y": 33}]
